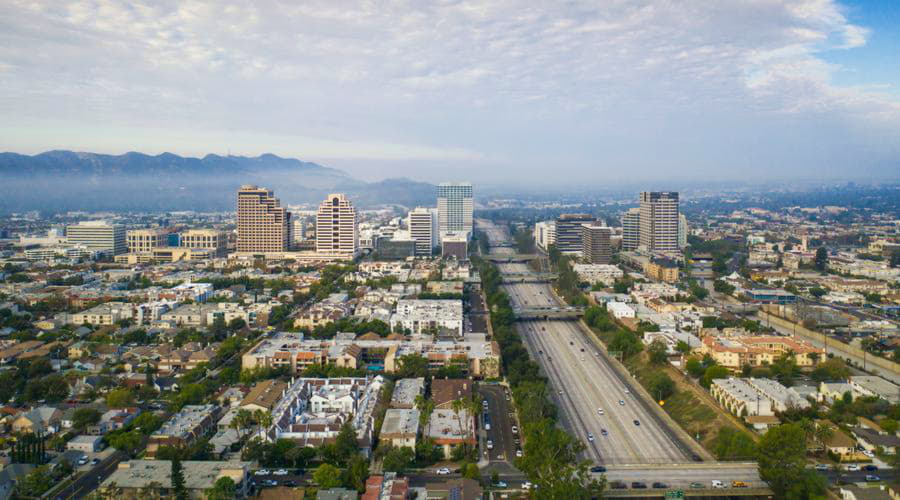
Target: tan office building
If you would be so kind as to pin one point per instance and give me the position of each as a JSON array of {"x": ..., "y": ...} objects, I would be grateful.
[
  {"x": 337, "y": 234},
  {"x": 145, "y": 240},
  {"x": 263, "y": 225},
  {"x": 659, "y": 221},
  {"x": 206, "y": 239}
]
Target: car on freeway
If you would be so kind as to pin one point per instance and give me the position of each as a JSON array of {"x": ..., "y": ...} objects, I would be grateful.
[
  {"x": 590, "y": 437},
  {"x": 658, "y": 485},
  {"x": 617, "y": 485},
  {"x": 627, "y": 392},
  {"x": 515, "y": 430},
  {"x": 871, "y": 468},
  {"x": 739, "y": 484},
  {"x": 500, "y": 484},
  {"x": 696, "y": 485},
  {"x": 871, "y": 478},
  {"x": 822, "y": 467},
  {"x": 582, "y": 349},
  {"x": 621, "y": 402},
  {"x": 571, "y": 343},
  {"x": 637, "y": 485},
  {"x": 270, "y": 482},
  {"x": 715, "y": 483},
  {"x": 540, "y": 351},
  {"x": 443, "y": 471},
  {"x": 853, "y": 467},
  {"x": 560, "y": 392},
  {"x": 598, "y": 468},
  {"x": 262, "y": 472},
  {"x": 603, "y": 432},
  {"x": 637, "y": 422},
  {"x": 599, "y": 411}
]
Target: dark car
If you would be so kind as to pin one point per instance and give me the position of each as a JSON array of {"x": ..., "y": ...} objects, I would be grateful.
[
  {"x": 617, "y": 485},
  {"x": 870, "y": 468},
  {"x": 637, "y": 485},
  {"x": 290, "y": 483},
  {"x": 598, "y": 468},
  {"x": 637, "y": 422},
  {"x": 659, "y": 485}
]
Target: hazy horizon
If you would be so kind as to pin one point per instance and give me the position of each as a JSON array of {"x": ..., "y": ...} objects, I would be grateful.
[{"x": 499, "y": 93}]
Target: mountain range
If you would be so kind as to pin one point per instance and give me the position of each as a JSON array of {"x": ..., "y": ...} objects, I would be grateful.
[{"x": 68, "y": 180}]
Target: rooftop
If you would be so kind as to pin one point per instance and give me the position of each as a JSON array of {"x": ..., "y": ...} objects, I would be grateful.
[{"x": 197, "y": 475}]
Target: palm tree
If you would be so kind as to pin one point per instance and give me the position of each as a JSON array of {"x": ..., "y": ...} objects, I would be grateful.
[
  {"x": 425, "y": 407},
  {"x": 264, "y": 419}
]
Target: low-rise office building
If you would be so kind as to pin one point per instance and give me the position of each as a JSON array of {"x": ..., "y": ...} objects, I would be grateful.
[{"x": 140, "y": 479}]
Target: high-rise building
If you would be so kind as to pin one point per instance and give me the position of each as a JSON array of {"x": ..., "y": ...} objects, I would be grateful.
[
  {"x": 659, "y": 221},
  {"x": 682, "y": 231},
  {"x": 98, "y": 236},
  {"x": 337, "y": 234},
  {"x": 595, "y": 247},
  {"x": 545, "y": 234},
  {"x": 631, "y": 229},
  {"x": 145, "y": 240},
  {"x": 568, "y": 232},
  {"x": 206, "y": 239},
  {"x": 263, "y": 225},
  {"x": 423, "y": 228},
  {"x": 298, "y": 229},
  {"x": 455, "y": 206}
]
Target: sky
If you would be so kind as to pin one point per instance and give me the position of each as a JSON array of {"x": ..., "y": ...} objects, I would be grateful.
[{"x": 498, "y": 92}]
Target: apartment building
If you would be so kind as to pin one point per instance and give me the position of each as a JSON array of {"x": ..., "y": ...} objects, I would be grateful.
[
  {"x": 337, "y": 231},
  {"x": 736, "y": 351},
  {"x": 598, "y": 273},
  {"x": 429, "y": 316},
  {"x": 140, "y": 479},
  {"x": 109, "y": 313},
  {"x": 400, "y": 427},
  {"x": 263, "y": 225},
  {"x": 659, "y": 221},
  {"x": 184, "y": 427}
]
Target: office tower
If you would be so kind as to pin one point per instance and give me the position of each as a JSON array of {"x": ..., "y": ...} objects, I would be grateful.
[
  {"x": 337, "y": 233},
  {"x": 595, "y": 248},
  {"x": 298, "y": 229},
  {"x": 206, "y": 239},
  {"x": 454, "y": 204},
  {"x": 262, "y": 223},
  {"x": 568, "y": 232},
  {"x": 659, "y": 221},
  {"x": 423, "y": 228},
  {"x": 145, "y": 240},
  {"x": 631, "y": 229},
  {"x": 682, "y": 231},
  {"x": 98, "y": 236},
  {"x": 545, "y": 234}
]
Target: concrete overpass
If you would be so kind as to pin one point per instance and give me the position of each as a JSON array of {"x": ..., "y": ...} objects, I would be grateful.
[
  {"x": 531, "y": 313},
  {"x": 533, "y": 277},
  {"x": 509, "y": 258},
  {"x": 730, "y": 493}
]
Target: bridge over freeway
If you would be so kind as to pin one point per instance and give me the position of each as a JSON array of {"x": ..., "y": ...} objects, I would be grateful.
[
  {"x": 566, "y": 312},
  {"x": 532, "y": 277},
  {"x": 508, "y": 258}
]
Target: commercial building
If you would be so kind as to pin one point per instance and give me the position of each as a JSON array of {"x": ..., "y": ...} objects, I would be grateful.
[
  {"x": 659, "y": 221},
  {"x": 595, "y": 244},
  {"x": 263, "y": 225},
  {"x": 423, "y": 228},
  {"x": 140, "y": 479},
  {"x": 545, "y": 234},
  {"x": 455, "y": 206},
  {"x": 337, "y": 233},
  {"x": 455, "y": 245},
  {"x": 569, "y": 231},
  {"x": 98, "y": 236},
  {"x": 631, "y": 229},
  {"x": 145, "y": 240},
  {"x": 205, "y": 239}
]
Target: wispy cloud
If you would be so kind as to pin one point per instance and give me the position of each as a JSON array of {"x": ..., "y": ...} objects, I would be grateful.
[{"x": 510, "y": 84}]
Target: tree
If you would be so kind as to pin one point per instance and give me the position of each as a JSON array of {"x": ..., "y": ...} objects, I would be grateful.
[
  {"x": 821, "y": 261},
  {"x": 264, "y": 419},
  {"x": 470, "y": 470},
  {"x": 120, "y": 398},
  {"x": 781, "y": 456},
  {"x": 398, "y": 459},
  {"x": 36, "y": 482},
  {"x": 831, "y": 370},
  {"x": 356, "y": 473},
  {"x": 327, "y": 476},
  {"x": 178, "y": 480},
  {"x": 695, "y": 367},
  {"x": 658, "y": 352},
  {"x": 712, "y": 373},
  {"x": 412, "y": 366},
  {"x": 346, "y": 443},
  {"x": 128, "y": 441},
  {"x": 660, "y": 386},
  {"x": 223, "y": 489},
  {"x": 683, "y": 347},
  {"x": 84, "y": 417},
  {"x": 551, "y": 462}
]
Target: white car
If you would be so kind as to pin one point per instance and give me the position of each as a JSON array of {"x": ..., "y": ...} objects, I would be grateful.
[
  {"x": 590, "y": 437},
  {"x": 868, "y": 454},
  {"x": 626, "y": 391},
  {"x": 280, "y": 472},
  {"x": 515, "y": 430},
  {"x": 599, "y": 411},
  {"x": 853, "y": 467},
  {"x": 519, "y": 453},
  {"x": 262, "y": 472},
  {"x": 527, "y": 485},
  {"x": 490, "y": 444},
  {"x": 443, "y": 471}
]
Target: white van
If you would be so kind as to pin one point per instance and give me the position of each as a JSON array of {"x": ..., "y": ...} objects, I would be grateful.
[{"x": 717, "y": 484}]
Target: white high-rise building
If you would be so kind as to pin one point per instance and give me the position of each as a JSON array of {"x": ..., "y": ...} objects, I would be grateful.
[
  {"x": 631, "y": 229},
  {"x": 337, "y": 231},
  {"x": 683, "y": 229},
  {"x": 423, "y": 228},
  {"x": 545, "y": 234},
  {"x": 98, "y": 236},
  {"x": 298, "y": 228},
  {"x": 659, "y": 221},
  {"x": 455, "y": 207}
]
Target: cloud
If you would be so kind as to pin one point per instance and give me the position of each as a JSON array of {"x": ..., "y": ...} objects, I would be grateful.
[{"x": 511, "y": 84}]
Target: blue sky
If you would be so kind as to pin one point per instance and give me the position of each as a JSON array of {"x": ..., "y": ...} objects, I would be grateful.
[{"x": 502, "y": 91}]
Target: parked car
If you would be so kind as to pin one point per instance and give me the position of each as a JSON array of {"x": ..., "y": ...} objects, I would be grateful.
[
  {"x": 280, "y": 472},
  {"x": 715, "y": 483},
  {"x": 443, "y": 471},
  {"x": 637, "y": 485},
  {"x": 500, "y": 484},
  {"x": 853, "y": 467},
  {"x": 697, "y": 485},
  {"x": 739, "y": 484},
  {"x": 617, "y": 485},
  {"x": 870, "y": 468},
  {"x": 95, "y": 461},
  {"x": 518, "y": 453},
  {"x": 527, "y": 485},
  {"x": 871, "y": 478},
  {"x": 822, "y": 467},
  {"x": 262, "y": 472},
  {"x": 598, "y": 468},
  {"x": 659, "y": 485}
]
